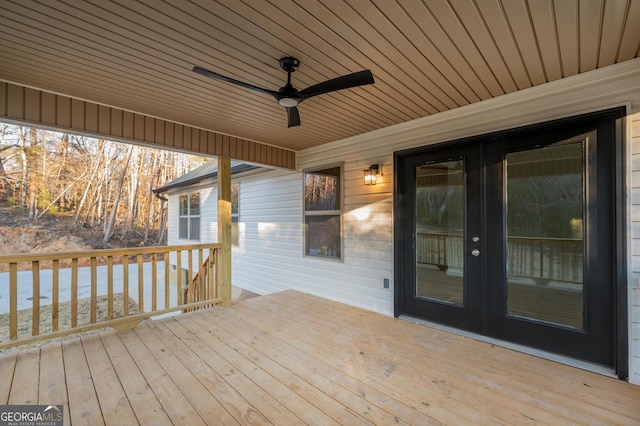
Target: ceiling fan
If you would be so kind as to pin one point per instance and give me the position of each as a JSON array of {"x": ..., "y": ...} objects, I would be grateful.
[{"x": 288, "y": 96}]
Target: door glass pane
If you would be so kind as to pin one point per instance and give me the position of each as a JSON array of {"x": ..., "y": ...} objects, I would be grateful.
[
  {"x": 545, "y": 204},
  {"x": 439, "y": 231}
]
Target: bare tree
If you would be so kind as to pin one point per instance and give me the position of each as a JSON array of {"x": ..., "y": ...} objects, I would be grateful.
[
  {"x": 106, "y": 187},
  {"x": 116, "y": 202}
]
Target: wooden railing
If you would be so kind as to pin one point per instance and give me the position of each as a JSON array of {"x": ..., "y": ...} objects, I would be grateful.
[
  {"x": 55, "y": 294},
  {"x": 200, "y": 288},
  {"x": 540, "y": 259}
]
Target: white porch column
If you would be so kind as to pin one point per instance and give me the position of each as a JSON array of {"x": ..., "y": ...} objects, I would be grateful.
[{"x": 224, "y": 228}]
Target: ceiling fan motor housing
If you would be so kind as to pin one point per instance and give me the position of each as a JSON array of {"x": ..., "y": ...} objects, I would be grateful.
[{"x": 289, "y": 64}]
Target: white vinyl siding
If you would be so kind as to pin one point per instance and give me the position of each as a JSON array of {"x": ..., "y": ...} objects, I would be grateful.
[{"x": 271, "y": 257}]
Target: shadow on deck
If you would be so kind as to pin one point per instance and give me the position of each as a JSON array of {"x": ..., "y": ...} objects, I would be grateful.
[{"x": 291, "y": 358}]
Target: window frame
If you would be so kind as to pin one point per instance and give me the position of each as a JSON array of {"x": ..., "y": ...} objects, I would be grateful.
[
  {"x": 329, "y": 213},
  {"x": 189, "y": 216}
]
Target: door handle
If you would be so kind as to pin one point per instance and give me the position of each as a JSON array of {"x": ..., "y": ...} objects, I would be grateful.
[{"x": 475, "y": 252}]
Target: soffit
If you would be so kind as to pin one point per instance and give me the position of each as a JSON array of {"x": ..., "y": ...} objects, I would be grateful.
[{"x": 426, "y": 56}]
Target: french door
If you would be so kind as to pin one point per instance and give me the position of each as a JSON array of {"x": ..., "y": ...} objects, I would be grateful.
[{"x": 513, "y": 236}]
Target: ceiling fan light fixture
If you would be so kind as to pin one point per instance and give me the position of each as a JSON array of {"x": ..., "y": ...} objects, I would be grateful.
[{"x": 288, "y": 102}]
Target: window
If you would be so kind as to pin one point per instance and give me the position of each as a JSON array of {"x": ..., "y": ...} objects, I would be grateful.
[
  {"x": 235, "y": 213},
  {"x": 189, "y": 217},
  {"x": 322, "y": 213}
]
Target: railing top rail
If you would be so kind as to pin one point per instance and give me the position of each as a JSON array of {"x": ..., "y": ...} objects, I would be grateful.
[
  {"x": 28, "y": 257},
  {"x": 511, "y": 237}
]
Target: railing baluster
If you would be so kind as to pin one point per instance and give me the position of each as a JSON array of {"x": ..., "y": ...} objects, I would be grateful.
[
  {"x": 154, "y": 282},
  {"x": 35, "y": 324},
  {"x": 55, "y": 294},
  {"x": 166, "y": 280},
  {"x": 541, "y": 258},
  {"x": 179, "y": 277},
  {"x": 210, "y": 274},
  {"x": 94, "y": 288},
  {"x": 190, "y": 277},
  {"x": 110, "y": 287},
  {"x": 74, "y": 292},
  {"x": 200, "y": 292},
  {"x": 140, "y": 283},
  {"x": 125, "y": 285},
  {"x": 555, "y": 267},
  {"x": 13, "y": 301}
]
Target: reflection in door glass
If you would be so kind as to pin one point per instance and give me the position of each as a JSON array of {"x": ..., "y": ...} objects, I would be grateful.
[
  {"x": 545, "y": 234},
  {"x": 439, "y": 231}
]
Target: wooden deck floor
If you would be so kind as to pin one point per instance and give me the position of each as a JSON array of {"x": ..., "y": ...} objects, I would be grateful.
[{"x": 291, "y": 358}]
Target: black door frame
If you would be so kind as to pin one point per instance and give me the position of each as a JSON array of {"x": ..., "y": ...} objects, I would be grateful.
[{"x": 619, "y": 275}]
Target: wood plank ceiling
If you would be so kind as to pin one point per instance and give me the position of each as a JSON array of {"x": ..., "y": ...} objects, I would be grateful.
[{"x": 426, "y": 56}]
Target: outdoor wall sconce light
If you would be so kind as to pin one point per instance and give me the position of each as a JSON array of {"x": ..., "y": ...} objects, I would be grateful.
[{"x": 371, "y": 174}]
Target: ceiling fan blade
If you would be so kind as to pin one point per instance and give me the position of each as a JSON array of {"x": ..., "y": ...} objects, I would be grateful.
[
  {"x": 359, "y": 78},
  {"x": 293, "y": 116},
  {"x": 221, "y": 77}
]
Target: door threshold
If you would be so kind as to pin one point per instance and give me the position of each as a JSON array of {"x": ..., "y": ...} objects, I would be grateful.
[{"x": 573, "y": 362}]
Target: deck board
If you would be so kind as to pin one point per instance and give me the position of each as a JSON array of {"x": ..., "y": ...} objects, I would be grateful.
[
  {"x": 292, "y": 358},
  {"x": 147, "y": 408},
  {"x": 24, "y": 389},
  {"x": 165, "y": 390},
  {"x": 303, "y": 373},
  {"x": 307, "y": 397},
  {"x": 261, "y": 399},
  {"x": 202, "y": 400},
  {"x": 261, "y": 379},
  {"x": 343, "y": 348},
  {"x": 7, "y": 368},
  {"x": 52, "y": 389},
  {"x": 449, "y": 350},
  {"x": 187, "y": 347},
  {"x": 84, "y": 406},
  {"x": 442, "y": 372},
  {"x": 116, "y": 408},
  {"x": 365, "y": 390}
]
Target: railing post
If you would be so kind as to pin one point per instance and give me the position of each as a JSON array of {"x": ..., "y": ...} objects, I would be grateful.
[{"x": 224, "y": 229}]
